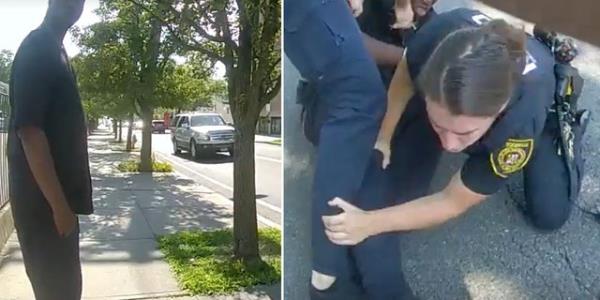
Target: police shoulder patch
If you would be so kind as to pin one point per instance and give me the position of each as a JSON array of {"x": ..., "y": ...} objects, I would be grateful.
[{"x": 512, "y": 157}]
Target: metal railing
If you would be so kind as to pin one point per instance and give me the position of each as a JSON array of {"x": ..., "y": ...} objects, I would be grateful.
[{"x": 4, "y": 117}]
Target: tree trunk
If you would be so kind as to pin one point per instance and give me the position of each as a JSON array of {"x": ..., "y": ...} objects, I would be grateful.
[
  {"x": 146, "y": 152},
  {"x": 244, "y": 193},
  {"x": 120, "y": 139},
  {"x": 129, "y": 145},
  {"x": 115, "y": 128}
]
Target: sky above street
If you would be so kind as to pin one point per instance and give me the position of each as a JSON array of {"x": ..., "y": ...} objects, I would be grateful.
[{"x": 19, "y": 17}]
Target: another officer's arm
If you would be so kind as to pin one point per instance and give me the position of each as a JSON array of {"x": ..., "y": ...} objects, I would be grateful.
[
  {"x": 354, "y": 225},
  {"x": 399, "y": 93},
  {"x": 384, "y": 54},
  {"x": 426, "y": 211}
]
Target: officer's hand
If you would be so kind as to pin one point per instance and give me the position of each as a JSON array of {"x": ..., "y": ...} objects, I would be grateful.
[
  {"x": 65, "y": 221},
  {"x": 349, "y": 227},
  {"x": 404, "y": 15},
  {"x": 384, "y": 148},
  {"x": 356, "y": 6}
]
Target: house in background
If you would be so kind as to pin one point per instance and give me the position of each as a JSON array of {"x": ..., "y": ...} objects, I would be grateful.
[
  {"x": 221, "y": 106},
  {"x": 269, "y": 122}
]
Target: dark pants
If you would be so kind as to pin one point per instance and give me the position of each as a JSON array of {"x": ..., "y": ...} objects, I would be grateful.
[
  {"x": 327, "y": 49},
  {"x": 374, "y": 268},
  {"x": 546, "y": 179},
  {"x": 377, "y": 258},
  {"x": 51, "y": 262}
]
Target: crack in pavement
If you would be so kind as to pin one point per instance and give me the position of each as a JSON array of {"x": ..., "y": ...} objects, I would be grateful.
[{"x": 578, "y": 280}]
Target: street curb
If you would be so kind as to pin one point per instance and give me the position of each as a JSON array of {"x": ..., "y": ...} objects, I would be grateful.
[
  {"x": 269, "y": 143},
  {"x": 143, "y": 296},
  {"x": 261, "y": 219}
]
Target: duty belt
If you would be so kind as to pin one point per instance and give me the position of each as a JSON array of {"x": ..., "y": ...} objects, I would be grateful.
[
  {"x": 565, "y": 106},
  {"x": 568, "y": 88}
]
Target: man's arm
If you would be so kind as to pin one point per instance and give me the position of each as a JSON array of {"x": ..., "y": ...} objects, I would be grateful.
[
  {"x": 354, "y": 225},
  {"x": 404, "y": 14},
  {"x": 399, "y": 93},
  {"x": 384, "y": 54},
  {"x": 41, "y": 163},
  {"x": 427, "y": 211}
]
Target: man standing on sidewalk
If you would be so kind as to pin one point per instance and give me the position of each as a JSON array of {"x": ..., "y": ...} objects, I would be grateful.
[{"x": 49, "y": 176}]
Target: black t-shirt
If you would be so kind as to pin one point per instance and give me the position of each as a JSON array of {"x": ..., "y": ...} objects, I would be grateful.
[
  {"x": 43, "y": 94},
  {"x": 507, "y": 146}
]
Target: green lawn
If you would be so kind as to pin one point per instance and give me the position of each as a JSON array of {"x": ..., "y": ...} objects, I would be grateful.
[
  {"x": 203, "y": 262},
  {"x": 134, "y": 166}
]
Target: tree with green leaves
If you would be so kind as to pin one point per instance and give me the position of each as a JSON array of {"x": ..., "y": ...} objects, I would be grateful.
[
  {"x": 245, "y": 37},
  {"x": 103, "y": 74},
  {"x": 184, "y": 87},
  {"x": 6, "y": 58},
  {"x": 142, "y": 51},
  {"x": 125, "y": 69}
]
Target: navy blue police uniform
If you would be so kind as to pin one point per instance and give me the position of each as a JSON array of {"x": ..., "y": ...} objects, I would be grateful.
[
  {"x": 324, "y": 43},
  {"x": 523, "y": 138},
  {"x": 375, "y": 263}
]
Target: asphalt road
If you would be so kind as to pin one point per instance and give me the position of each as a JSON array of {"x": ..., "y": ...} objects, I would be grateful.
[
  {"x": 489, "y": 253},
  {"x": 216, "y": 172}
]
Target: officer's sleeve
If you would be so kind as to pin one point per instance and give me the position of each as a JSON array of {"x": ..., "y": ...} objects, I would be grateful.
[
  {"x": 486, "y": 172},
  {"x": 31, "y": 87},
  {"x": 418, "y": 50},
  {"x": 478, "y": 175}
]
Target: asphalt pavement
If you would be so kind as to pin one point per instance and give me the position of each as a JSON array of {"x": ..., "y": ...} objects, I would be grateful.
[
  {"x": 216, "y": 172},
  {"x": 489, "y": 253}
]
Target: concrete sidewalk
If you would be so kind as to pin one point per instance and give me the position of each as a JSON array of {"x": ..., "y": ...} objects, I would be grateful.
[{"x": 118, "y": 247}]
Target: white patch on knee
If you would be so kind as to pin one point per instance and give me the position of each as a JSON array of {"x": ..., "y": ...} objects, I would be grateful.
[{"x": 321, "y": 281}]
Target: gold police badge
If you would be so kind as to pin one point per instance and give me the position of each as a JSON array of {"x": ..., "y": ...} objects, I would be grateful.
[{"x": 512, "y": 157}]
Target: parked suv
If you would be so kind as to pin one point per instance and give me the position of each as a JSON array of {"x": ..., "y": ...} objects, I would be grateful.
[{"x": 201, "y": 133}]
